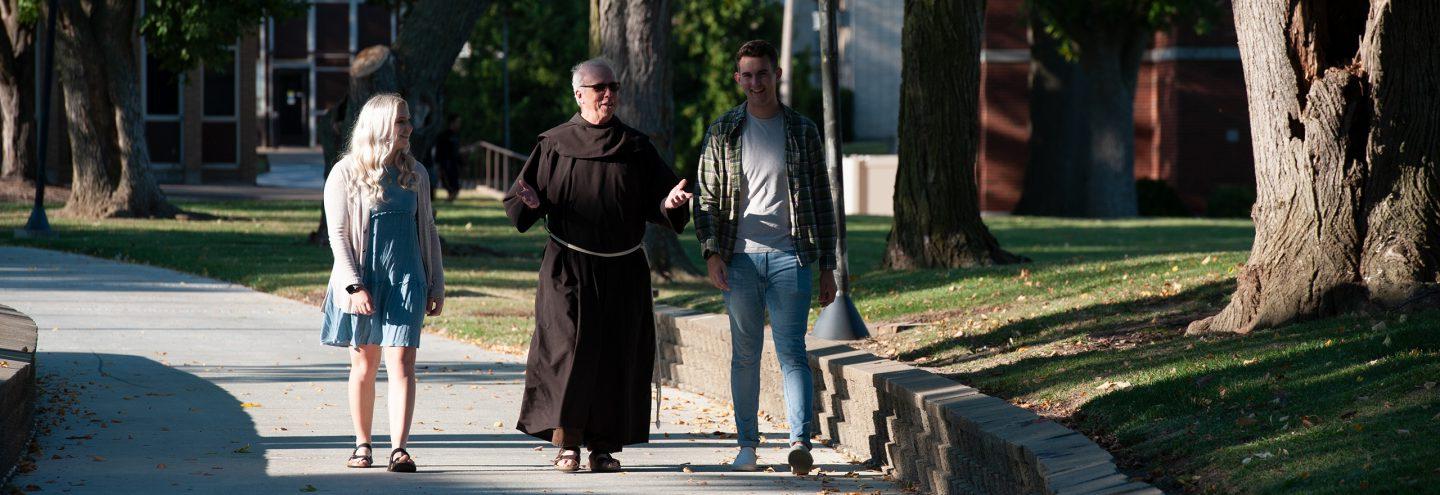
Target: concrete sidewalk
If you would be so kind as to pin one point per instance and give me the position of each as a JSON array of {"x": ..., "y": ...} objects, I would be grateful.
[{"x": 161, "y": 382}]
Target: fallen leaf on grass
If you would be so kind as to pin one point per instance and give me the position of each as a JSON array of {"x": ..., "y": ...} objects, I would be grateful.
[
  {"x": 1246, "y": 421},
  {"x": 1309, "y": 421}
]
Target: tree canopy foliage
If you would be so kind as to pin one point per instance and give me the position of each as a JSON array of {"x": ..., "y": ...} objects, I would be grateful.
[{"x": 182, "y": 34}]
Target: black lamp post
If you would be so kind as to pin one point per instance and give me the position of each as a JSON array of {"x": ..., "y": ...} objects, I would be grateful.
[
  {"x": 39, "y": 224},
  {"x": 840, "y": 320}
]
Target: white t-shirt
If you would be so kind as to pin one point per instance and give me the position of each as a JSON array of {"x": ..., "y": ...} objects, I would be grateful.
[{"x": 764, "y": 207}]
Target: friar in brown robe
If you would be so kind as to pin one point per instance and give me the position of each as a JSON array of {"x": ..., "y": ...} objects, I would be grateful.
[{"x": 596, "y": 182}]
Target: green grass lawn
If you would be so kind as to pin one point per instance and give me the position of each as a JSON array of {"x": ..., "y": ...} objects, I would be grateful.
[{"x": 1089, "y": 333}]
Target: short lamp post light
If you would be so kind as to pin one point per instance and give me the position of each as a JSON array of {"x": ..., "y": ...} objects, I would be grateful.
[
  {"x": 39, "y": 224},
  {"x": 840, "y": 320}
]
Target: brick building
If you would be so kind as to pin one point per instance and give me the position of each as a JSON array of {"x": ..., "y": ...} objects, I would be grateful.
[
  {"x": 1192, "y": 126},
  {"x": 204, "y": 126}
]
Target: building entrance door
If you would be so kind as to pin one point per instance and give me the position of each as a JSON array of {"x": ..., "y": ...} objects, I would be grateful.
[{"x": 292, "y": 106}]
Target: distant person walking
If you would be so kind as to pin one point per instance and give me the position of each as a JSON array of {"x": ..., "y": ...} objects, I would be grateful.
[
  {"x": 595, "y": 182},
  {"x": 387, "y": 275},
  {"x": 765, "y": 222},
  {"x": 447, "y": 157}
]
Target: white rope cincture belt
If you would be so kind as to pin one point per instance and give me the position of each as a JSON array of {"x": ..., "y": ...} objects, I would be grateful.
[{"x": 589, "y": 252}]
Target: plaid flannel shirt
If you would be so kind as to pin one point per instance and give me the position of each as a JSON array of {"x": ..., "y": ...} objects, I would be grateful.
[{"x": 812, "y": 212}]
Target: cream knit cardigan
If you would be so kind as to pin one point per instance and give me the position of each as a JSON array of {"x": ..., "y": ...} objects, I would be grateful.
[{"x": 348, "y": 226}]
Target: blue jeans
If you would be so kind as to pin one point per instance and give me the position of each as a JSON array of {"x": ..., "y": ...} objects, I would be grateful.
[{"x": 773, "y": 281}]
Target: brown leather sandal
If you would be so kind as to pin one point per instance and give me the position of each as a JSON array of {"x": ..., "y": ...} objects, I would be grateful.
[
  {"x": 405, "y": 464},
  {"x": 603, "y": 463},
  {"x": 573, "y": 456},
  {"x": 360, "y": 461}
]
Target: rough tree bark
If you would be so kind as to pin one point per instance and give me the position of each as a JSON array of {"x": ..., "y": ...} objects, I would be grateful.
[
  {"x": 430, "y": 36},
  {"x": 1345, "y": 121},
  {"x": 1089, "y": 106},
  {"x": 17, "y": 94},
  {"x": 635, "y": 36},
  {"x": 98, "y": 67},
  {"x": 937, "y": 206}
]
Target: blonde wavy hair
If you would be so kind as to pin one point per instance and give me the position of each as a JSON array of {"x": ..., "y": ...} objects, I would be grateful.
[{"x": 372, "y": 147}]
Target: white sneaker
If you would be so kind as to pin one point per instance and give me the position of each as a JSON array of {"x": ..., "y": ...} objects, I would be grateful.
[
  {"x": 800, "y": 459},
  {"x": 745, "y": 460}
]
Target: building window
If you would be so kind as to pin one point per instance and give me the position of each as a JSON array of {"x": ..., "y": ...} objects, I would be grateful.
[
  {"x": 220, "y": 92},
  {"x": 163, "y": 139},
  {"x": 162, "y": 91}
]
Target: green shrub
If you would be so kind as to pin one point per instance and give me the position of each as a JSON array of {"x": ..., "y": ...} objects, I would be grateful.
[
  {"x": 1230, "y": 201},
  {"x": 1157, "y": 199}
]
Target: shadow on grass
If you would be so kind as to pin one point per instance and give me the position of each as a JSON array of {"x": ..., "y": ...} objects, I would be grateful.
[
  {"x": 1330, "y": 406},
  {"x": 1135, "y": 318}
]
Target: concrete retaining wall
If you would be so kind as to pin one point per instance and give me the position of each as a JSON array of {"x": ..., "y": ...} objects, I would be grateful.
[
  {"x": 923, "y": 428},
  {"x": 17, "y": 386}
]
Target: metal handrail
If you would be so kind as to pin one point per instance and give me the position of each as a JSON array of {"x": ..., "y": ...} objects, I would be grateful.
[{"x": 493, "y": 165}]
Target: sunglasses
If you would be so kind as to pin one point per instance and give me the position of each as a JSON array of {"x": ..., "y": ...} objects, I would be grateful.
[{"x": 612, "y": 86}]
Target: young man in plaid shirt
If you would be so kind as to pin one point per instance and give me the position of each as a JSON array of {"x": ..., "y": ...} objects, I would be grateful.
[{"x": 766, "y": 223}]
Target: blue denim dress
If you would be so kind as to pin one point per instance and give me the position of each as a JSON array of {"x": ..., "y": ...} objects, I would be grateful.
[{"x": 393, "y": 273}]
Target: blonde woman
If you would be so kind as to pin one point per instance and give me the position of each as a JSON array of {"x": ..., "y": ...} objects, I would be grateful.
[{"x": 387, "y": 275}]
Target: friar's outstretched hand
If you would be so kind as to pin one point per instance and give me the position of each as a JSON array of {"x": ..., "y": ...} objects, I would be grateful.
[
  {"x": 526, "y": 194},
  {"x": 678, "y": 196}
]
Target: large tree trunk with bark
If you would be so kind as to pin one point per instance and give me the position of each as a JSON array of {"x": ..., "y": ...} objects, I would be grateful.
[
  {"x": 17, "y": 94},
  {"x": 98, "y": 68},
  {"x": 1082, "y": 144},
  {"x": 89, "y": 112},
  {"x": 430, "y": 36},
  {"x": 937, "y": 204},
  {"x": 635, "y": 36},
  {"x": 1345, "y": 119},
  {"x": 1057, "y": 130}
]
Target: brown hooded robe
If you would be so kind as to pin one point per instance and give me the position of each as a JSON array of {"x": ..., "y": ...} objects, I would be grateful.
[{"x": 593, "y": 349}]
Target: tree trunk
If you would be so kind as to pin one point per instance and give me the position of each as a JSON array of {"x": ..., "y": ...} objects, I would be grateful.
[
  {"x": 17, "y": 95},
  {"x": 424, "y": 57},
  {"x": 937, "y": 206},
  {"x": 1111, "y": 62},
  {"x": 89, "y": 113},
  {"x": 1346, "y": 134},
  {"x": 635, "y": 36},
  {"x": 1057, "y": 130},
  {"x": 1082, "y": 144},
  {"x": 430, "y": 37},
  {"x": 137, "y": 194},
  {"x": 98, "y": 70}
]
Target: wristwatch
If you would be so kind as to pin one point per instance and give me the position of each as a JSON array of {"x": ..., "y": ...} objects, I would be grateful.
[{"x": 353, "y": 288}]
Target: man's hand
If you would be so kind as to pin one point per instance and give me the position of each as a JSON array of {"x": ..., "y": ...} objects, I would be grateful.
[
  {"x": 827, "y": 287},
  {"x": 526, "y": 194},
  {"x": 360, "y": 302},
  {"x": 678, "y": 196},
  {"x": 716, "y": 267},
  {"x": 433, "y": 306}
]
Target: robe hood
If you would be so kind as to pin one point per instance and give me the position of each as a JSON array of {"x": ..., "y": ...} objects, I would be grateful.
[{"x": 578, "y": 138}]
